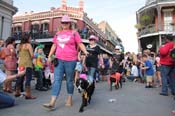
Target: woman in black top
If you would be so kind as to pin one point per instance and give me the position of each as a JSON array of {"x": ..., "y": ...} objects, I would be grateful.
[{"x": 92, "y": 58}]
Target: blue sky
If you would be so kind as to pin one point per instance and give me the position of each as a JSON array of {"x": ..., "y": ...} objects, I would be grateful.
[{"x": 120, "y": 14}]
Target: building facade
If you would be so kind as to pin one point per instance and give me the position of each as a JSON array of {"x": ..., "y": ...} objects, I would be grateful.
[
  {"x": 112, "y": 38},
  {"x": 43, "y": 25},
  {"x": 7, "y": 10},
  {"x": 154, "y": 20}
]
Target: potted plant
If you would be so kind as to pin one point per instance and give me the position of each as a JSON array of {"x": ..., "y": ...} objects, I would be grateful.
[
  {"x": 138, "y": 26},
  {"x": 145, "y": 19}
]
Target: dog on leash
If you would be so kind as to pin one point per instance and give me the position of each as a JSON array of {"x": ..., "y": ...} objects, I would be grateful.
[
  {"x": 116, "y": 79},
  {"x": 86, "y": 90}
]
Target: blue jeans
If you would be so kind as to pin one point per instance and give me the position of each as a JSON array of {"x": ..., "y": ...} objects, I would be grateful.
[
  {"x": 167, "y": 75},
  {"x": 91, "y": 74},
  {"x": 6, "y": 101},
  {"x": 67, "y": 68},
  {"x": 28, "y": 75},
  {"x": 131, "y": 77}
]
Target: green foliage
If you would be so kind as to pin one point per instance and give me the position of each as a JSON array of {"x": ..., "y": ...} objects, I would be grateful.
[
  {"x": 145, "y": 19},
  {"x": 138, "y": 26}
]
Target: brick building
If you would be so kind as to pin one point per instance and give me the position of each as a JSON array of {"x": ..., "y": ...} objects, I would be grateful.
[
  {"x": 43, "y": 25},
  {"x": 154, "y": 20}
]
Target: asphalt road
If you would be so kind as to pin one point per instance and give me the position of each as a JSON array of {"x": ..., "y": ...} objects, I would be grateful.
[{"x": 132, "y": 100}]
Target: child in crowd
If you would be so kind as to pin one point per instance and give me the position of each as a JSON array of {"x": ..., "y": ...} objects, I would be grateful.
[
  {"x": 79, "y": 65},
  {"x": 39, "y": 62},
  {"x": 49, "y": 74},
  {"x": 149, "y": 71}
]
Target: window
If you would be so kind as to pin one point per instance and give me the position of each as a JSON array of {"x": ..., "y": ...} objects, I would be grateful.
[
  {"x": 45, "y": 27},
  {"x": 2, "y": 26},
  {"x": 168, "y": 20}
]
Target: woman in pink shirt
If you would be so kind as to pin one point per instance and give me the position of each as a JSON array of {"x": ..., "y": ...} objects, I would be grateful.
[{"x": 65, "y": 44}]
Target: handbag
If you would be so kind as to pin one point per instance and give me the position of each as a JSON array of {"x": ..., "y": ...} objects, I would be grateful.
[
  {"x": 55, "y": 62},
  {"x": 172, "y": 53}
]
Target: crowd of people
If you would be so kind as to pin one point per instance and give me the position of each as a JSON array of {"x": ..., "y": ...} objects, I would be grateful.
[{"x": 72, "y": 60}]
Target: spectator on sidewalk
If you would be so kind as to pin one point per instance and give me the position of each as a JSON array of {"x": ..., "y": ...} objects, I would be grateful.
[
  {"x": 25, "y": 62},
  {"x": 6, "y": 100},
  {"x": 39, "y": 63},
  {"x": 167, "y": 66},
  {"x": 134, "y": 72},
  {"x": 149, "y": 71},
  {"x": 10, "y": 62},
  {"x": 158, "y": 71}
]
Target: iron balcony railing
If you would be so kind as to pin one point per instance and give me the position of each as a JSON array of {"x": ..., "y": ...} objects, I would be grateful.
[
  {"x": 36, "y": 35},
  {"x": 45, "y": 35},
  {"x": 149, "y": 2},
  {"x": 147, "y": 30},
  {"x": 165, "y": 0},
  {"x": 150, "y": 29}
]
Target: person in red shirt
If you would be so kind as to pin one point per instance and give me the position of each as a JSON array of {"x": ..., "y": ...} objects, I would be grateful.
[{"x": 167, "y": 66}]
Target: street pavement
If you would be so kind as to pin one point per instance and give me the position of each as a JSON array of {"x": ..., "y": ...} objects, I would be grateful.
[{"x": 132, "y": 100}]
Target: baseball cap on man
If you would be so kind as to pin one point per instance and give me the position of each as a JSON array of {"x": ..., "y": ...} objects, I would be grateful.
[
  {"x": 65, "y": 18},
  {"x": 117, "y": 47}
]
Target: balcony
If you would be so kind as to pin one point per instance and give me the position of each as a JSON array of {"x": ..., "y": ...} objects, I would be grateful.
[
  {"x": 147, "y": 30},
  {"x": 152, "y": 29},
  {"x": 114, "y": 42},
  {"x": 49, "y": 35},
  {"x": 155, "y": 3},
  {"x": 150, "y": 2},
  {"x": 166, "y": 0},
  {"x": 35, "y": 35}
]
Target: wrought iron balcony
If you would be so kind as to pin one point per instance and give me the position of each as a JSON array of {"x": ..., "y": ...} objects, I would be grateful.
[
  {"x": 45, "y": 35},
  {"x": 148, "y": 2},
  {"x": 36, "y": 35},
  {"x": 151, "y": 29},
  {"x": 165, "y": 0},
  {"x": 147, "y": 30}
]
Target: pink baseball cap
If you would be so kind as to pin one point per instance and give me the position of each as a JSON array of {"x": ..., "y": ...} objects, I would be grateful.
[
  {"x": 93, "y": 37},
  {"x": 65, "y": 18}
]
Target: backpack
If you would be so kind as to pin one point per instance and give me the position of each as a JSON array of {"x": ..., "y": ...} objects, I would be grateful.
[
  {"x": 4, "y": 53},
  {"x": 172, "y": 53}
]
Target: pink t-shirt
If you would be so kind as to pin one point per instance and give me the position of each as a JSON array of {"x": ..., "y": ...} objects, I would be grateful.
[{"x": 67, "y": 42}]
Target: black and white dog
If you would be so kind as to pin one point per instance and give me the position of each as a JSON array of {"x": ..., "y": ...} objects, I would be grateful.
[{"x": 86, "y": 90}]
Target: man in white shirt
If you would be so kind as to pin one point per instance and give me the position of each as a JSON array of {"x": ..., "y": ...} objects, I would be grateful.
[{"x": 134, "y": 72}]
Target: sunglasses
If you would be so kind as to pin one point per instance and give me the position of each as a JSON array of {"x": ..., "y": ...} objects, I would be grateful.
[
  {"x": 64, "y": 22},
  {"x": 91, "y": 40}
]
